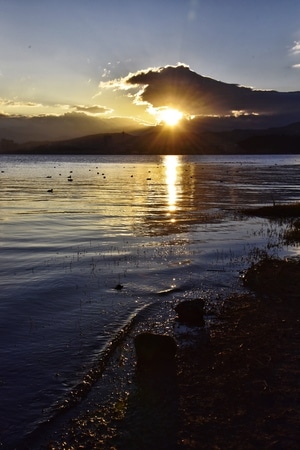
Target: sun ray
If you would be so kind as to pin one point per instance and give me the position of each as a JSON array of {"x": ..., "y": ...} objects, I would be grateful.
[{"x": 169, "y": 116}]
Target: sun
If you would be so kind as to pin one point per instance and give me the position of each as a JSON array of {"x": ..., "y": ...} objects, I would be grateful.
[{"x": 170, "y": 116}]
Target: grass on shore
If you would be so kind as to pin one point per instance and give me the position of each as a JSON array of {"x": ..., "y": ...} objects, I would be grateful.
[{"x": 283, "y": 212}]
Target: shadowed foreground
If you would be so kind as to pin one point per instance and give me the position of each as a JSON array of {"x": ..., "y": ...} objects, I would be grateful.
[
  {"x": 239, "y": 391},
  {"x": 245, "y": 394}
]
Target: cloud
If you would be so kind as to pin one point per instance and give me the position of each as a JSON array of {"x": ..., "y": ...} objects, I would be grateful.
[
  {"x": 296, "y": 47},
  {"x": 295, "y": 50},
  {"x": 34, "y": 109},
  {"x": 117, "y": 84},
  {"x": 18, "y": 104},
  {"x": 196, "y": 95},
  {"x": 92, "y": 110},
  {"x": 19, "y": 107}
]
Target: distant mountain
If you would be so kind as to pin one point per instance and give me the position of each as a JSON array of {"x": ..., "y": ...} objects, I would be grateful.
[
  {"x": 163, "y": 140},
  {"x": 22, "y": 129}
]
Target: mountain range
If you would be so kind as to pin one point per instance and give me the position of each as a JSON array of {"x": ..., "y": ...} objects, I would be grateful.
[{"x": 163, "y": 140}]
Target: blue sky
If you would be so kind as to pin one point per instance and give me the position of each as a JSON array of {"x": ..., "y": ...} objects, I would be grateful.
[{"x": 55, "y": 55}]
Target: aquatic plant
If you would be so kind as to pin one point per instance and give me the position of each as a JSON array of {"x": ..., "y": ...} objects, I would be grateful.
[{"x": 292, "y": 235}]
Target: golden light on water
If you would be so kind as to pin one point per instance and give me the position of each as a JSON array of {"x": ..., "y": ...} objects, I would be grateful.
[{"x": 171, "y": 164}]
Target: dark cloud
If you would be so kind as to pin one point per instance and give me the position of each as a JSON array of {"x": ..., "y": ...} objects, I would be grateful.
[{"x": 179, "y": 87}]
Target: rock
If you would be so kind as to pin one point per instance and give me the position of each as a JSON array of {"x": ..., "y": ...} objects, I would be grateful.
[
  {"x": 276, "y": 278},
  {"x": 154, "y": 348},
  {"x": 190, "y": 312}
]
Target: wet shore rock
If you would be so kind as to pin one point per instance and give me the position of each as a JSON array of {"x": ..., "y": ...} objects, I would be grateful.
[
  {"x": 276, "y": 278},
  {"x": 154, "y": 348},
  {"x": 191, "y": 312}
]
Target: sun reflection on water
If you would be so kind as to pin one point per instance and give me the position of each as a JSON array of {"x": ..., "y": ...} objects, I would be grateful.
[{"x": 171, "y": 164}]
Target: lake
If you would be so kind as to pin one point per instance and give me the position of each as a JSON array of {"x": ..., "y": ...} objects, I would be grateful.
[{"x": 90, "y": 243}]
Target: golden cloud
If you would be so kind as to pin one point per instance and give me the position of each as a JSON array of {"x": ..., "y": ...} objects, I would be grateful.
[{"x": 92, "y": 110}]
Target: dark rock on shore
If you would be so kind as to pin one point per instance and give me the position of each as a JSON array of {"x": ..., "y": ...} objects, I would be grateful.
[
  {"x": 154, "y": 348},
  {"x": 276, "y": 278},
  {"x": 190, "y": 312}
]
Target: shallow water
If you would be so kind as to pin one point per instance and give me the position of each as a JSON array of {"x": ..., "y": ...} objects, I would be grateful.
[{"x": 147, "y": 223}]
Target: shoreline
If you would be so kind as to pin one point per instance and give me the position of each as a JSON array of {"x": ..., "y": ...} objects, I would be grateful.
[{"x": 237, "y": 390}]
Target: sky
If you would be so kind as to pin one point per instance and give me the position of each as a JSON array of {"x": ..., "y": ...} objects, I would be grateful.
[{"x": 71, "y": 57}]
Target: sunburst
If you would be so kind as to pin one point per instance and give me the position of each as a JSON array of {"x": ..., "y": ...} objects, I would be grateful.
[{"x": 170, "y": 116}]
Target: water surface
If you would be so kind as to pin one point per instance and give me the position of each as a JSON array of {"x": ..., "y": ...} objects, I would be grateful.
[{"x": 72, "y": 228}]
